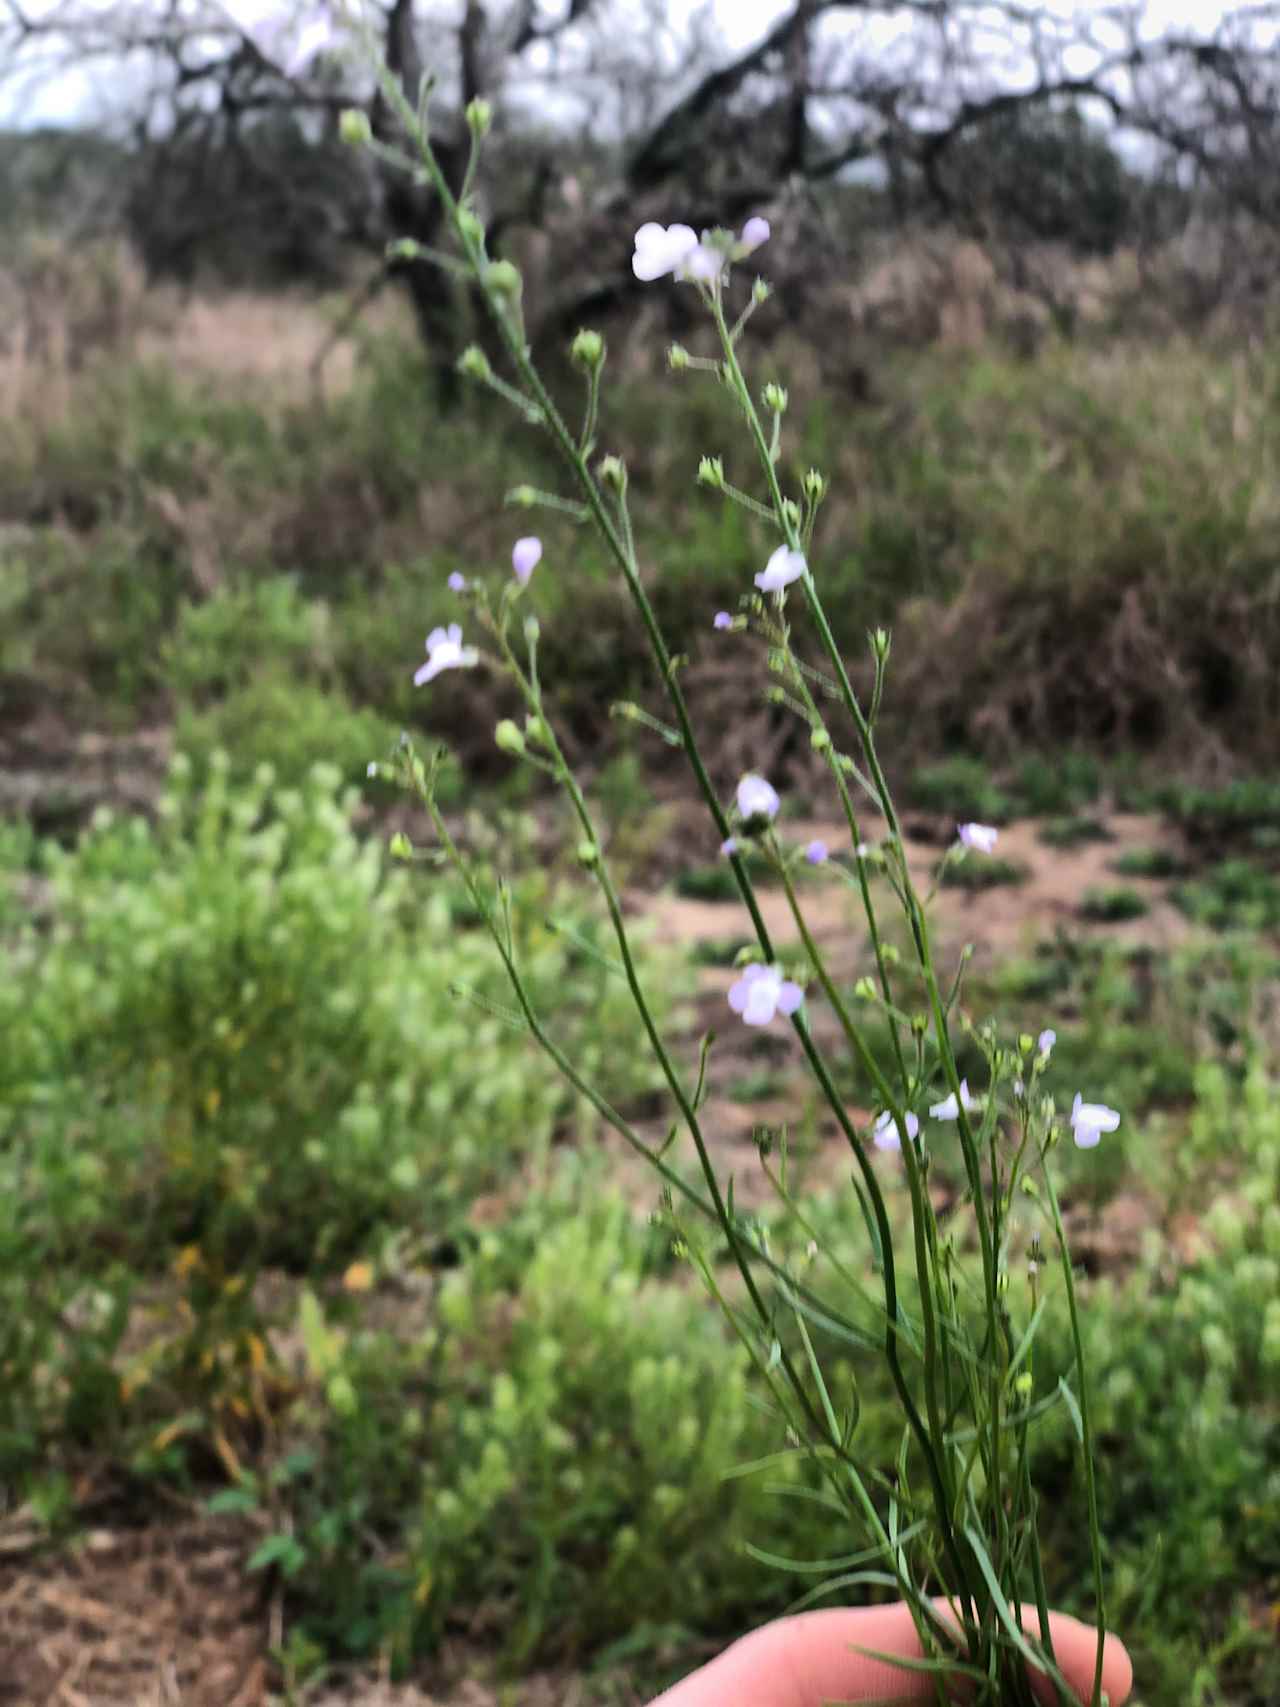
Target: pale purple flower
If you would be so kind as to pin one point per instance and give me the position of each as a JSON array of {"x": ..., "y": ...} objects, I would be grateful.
[
  {"x": 722, "y": 620},
  {"x": 702, "y": 262},
  {"x": 1045, "y": 1043},
  {"x": 762, "y": 992},
  {"x": 949, "y": 1108},
  {"x": 662, "y": 249},
  {"x": 445, "y": 651},
  {"x": 457, "y": 582},
  {"x": 757, "y": 798},
  {"x": 816, "y": 852},
  {"x": 885, "y": 1134},
  {"x": 981, "y": 838},
  {"x": 1089, "y": 1120},
  {"x": 525, "y": 556},
  {"x": 754, "y": 233},
  {"x": 782, "y": 568},
  {"x": 729, "y": 846}
]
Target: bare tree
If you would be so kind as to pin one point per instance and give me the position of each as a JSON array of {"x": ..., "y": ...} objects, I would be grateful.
[{"x": 610, "y": 112}]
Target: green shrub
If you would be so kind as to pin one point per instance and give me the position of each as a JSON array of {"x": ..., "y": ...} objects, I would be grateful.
[
  {"x": 272, "y": 1003},
  {"x": 553, "y": 1445},
  {"x": 287, "y": 724}
]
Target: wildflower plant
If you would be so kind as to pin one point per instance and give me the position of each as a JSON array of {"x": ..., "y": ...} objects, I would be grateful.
[{"x": 951, "y": 1527}]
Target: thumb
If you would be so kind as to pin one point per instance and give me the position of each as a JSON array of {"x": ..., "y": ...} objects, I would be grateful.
[{"x": 812, "y": 1659}]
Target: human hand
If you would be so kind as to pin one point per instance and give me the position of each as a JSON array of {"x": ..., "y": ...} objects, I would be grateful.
[{"x": 811, "y": 1660}]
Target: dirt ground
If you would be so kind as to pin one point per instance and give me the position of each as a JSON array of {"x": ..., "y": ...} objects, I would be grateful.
[{"x": 164, "y": 1615}]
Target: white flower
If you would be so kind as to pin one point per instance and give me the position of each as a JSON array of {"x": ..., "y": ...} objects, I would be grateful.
[
  {"x": 526, "y": 554},
  {"x": 949, "y": 1109},
  {"x": 761, "y": 992},
  {"x": 1089, "y": 1120},
  {"x": 757, "y": 798},
  {"x": 662, "y": 249},
  {"x": 754, "y": 233},
  {"x": 445, "y": 651},
  {"x": 782, "y": 568},
  {"x": 980, "y": 837},
  {"x": 885, "y": 1134}
]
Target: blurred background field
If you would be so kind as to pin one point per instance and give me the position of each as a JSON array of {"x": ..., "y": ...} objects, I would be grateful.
[{"x": 344, "y": 1356}]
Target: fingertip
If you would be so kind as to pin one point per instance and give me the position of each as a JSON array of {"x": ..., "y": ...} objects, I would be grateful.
[
  {"x": 1117, "y": 1671},
  {"x": 1076, "y": 1650}
]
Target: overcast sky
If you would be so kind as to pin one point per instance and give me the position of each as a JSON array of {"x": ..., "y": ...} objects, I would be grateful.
[{"x": 83, "y": 94}]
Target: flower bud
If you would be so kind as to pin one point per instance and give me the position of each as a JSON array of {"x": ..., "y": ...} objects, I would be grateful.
[
  {"x": 471, "y": 225},
  {"x": 613, "y": 472},
  {"x": 354, "y": 128},
  {"x": 403, "y": 249},
  {"x": 880, "y": 639},
  {"x": 677, "y": 358},
  {"x": 502, "y": 278},
  {"x": 587, "y": 350},
  {"x": 1023, "y": 1384},
  {"x": 761, "y": 292},
  {"x": 711, "y": 473},
  {"x": 588, "y": 855},
  {"x": 775, "y": 398},
  {"x": 791, "y": 512},
  {"x": 479, "y": 116},
  {"x": 531, "y": 630},
  {"x": 865, "y": 990},
  {"x": 524, "y": 497},
  {"x": 815, "y": 486},
  {"x": 474, "y": 363},
  {"x": 820, "y": 741},
  {"x": 534, "y": 727},
  {"x": 508, "y": 737},
  {"x": 400, "y": 847}
]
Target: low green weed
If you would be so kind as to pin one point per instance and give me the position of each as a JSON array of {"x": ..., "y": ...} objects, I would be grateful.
[
  {"x": 1073, "y": 832},
  {"x": 1153, "y": 863},
  {"x": 984, "y": 871},
  {"x": 1112, "y": 906},
  {"x": 1233, "y": 895}
]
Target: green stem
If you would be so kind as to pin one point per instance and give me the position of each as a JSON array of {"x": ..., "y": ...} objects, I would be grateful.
[{"x": 1086, "y": 1431}]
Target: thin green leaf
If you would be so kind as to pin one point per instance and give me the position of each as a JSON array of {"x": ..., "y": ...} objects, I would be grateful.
[{"x": 1069, "y": 1400}]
